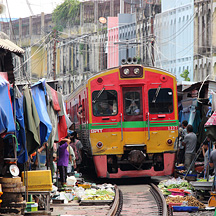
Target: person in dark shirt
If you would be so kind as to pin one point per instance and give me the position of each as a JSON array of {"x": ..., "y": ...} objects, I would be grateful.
[{"x": 190, "y": 141}]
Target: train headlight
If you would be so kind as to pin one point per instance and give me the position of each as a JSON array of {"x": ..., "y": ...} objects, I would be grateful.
[
  {"x": 136, "y": 71},
  {"x": 126, "y": 71},
  {"x": 169, "y": 142},
  {"x": 99, "y": 145}
]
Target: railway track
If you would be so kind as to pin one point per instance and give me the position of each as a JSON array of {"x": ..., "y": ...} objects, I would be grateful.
[
  {"x": 160, "y": 200},
  {"x": 116, "y": 207}
]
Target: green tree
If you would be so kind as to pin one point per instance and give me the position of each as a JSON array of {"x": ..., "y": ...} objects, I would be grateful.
[
  {"x": 66, "y": 13},
  {"x": 185, "y": 75}
]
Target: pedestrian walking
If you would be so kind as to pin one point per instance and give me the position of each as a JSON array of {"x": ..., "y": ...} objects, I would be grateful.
[
  {"x": 182, "y": 134},
  {"x": 72, "y": 161},
  {"x": 63, "y": 159},
  {"x": 190, "y": 141},
  {"x": 77, "y": 147}
]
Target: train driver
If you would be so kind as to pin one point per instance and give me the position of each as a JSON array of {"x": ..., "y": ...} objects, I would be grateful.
[{"x": 133, "y": 108}]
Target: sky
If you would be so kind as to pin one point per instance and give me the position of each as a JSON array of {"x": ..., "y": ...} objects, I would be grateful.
[{"x": 20, "y": 9}]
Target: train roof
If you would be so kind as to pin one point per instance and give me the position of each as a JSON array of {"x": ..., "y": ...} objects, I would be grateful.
[{"x": 113, "y": 68}]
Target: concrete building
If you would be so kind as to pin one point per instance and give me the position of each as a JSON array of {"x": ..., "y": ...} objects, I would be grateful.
[
  {"x": 112, "y": 43},
  {"x": 174, "y": 36},
  {"x": 204, "y": 40},
  {"x": 127, "y": 36},
  {"x": 145, "y": 31}
]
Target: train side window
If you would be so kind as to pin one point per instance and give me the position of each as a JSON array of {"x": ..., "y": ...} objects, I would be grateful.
[
  {"x": 160, "y": 100},
  {"x": 83, "y": 110},
  {"x": 75, "y": 113},
  {"x": 104, "y": 103}
]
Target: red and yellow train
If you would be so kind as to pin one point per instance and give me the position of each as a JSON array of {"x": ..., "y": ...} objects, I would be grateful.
[{"x": 129, "y": 121}]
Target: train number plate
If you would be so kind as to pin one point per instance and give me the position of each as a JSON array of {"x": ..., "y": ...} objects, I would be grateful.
[
  {"x": 172, "y": 127},
  {"x": 96, "y": 130}
]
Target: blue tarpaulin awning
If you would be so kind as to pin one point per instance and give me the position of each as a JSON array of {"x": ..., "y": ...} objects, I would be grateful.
[{"x": 7, "y": 120}]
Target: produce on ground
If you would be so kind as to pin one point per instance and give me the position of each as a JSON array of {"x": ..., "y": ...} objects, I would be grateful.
[
  {"x": 102, "y": 197},
  {"x": 192, "y": 201},
  {"x": 174, "y": 183},
  {"x": 97, "y": 194}
]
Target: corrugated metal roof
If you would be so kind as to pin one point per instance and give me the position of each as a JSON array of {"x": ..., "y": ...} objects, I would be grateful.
[
  {"x": 9, "y": 45},
  {"x": 5, "y": 43},
  {"x": 197, "y": 85}
]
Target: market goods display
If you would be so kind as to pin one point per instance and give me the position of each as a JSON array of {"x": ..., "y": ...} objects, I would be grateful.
[
  {"x": 191, "y": 201},
  {"x": 174, "y": 183},
  {"x": 82, "y": 194},
  {"x": 102, "y": 197},
  {"x": 99, "y": 192}
]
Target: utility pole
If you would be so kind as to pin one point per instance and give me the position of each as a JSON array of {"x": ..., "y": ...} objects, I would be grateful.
[
  {"x": 54, "y": 56},
  {"x": 211, "y": 48},
  {"x": 152, "y": 32}
]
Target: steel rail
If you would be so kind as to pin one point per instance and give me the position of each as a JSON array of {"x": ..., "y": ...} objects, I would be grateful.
[
  {"x": 116, "y": 207},
  {"x": 160, "y": 200}
]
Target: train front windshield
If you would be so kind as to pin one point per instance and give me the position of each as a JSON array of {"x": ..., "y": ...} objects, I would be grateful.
[
  {"x": 160, "y": 100},
  {"x": 104, "y": 103}
]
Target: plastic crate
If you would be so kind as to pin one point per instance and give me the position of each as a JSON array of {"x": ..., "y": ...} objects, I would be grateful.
[
  {"x": 185, "y": 208},
  {"x": 180, "y": 167},
  {"x": 174, "y": 204},
  {"x": 39, "y": 180},
  {"x": 31, "y": 207}
]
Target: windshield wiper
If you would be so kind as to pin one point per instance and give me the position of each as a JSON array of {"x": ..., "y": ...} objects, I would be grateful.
[
  {"x": 98, "y": 95},
  {"x": 156, "y": 94}
]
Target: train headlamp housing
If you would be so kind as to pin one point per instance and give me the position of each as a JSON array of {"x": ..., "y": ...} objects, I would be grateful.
[
  {"x": 131, "y": 71},
  {"x": 169, "y": 142},
  {"x": 136, "y": 71},
  {"x": 126, "y": 71},
  {"x": 99, "y": 145}
]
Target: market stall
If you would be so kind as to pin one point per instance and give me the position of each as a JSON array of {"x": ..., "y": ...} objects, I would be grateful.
[{"x": 183, "y": 196}]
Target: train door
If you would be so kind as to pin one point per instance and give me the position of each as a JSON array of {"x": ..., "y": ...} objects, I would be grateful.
[
  {"x": 133, "y": 109},
  {"x": 132, "y": 104}
]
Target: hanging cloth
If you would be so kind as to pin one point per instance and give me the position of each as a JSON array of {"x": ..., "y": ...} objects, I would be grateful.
[
  {"x": 52, "y": 105},
  {"x": 4, "y": 122},
  {"x": 62, "y": 125},
  {"x": 185, "y": 114},
  {"x": 6, "y": 113},
  {"x": 22, "y": 153},
  {"x": 32, "y": 121},
  {"x": 38, "y": 93},
  {"x": 213, "y": 101},
  {"x": 68, "y": 121},
  {"x": 192, "y": 114},
  {"x": 54, "y": 95}
]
